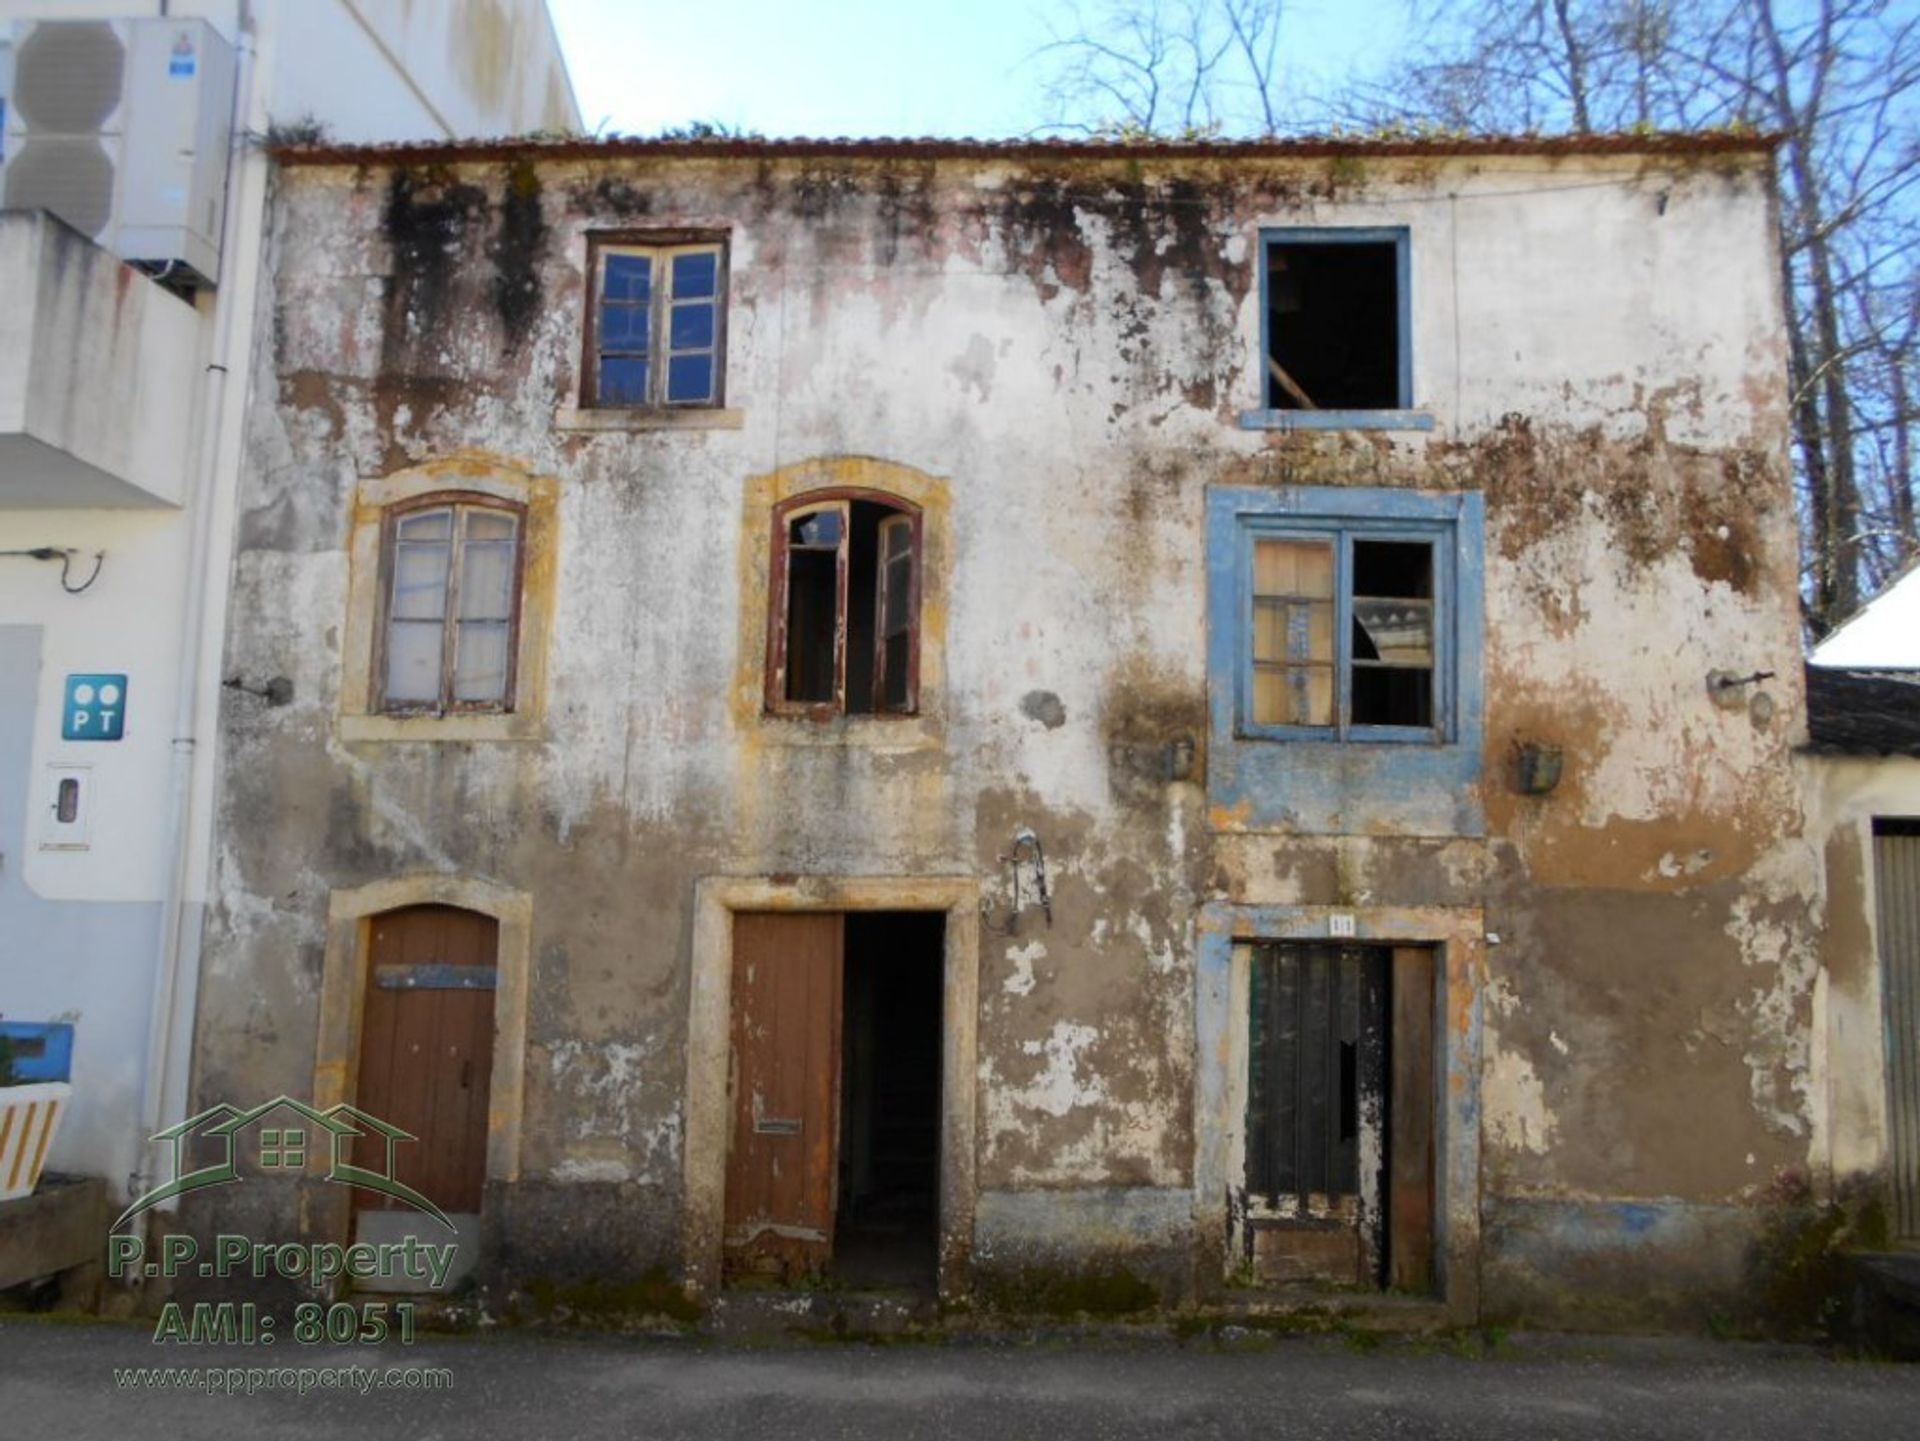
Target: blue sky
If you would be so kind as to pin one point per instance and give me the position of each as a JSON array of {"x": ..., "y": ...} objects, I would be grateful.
[{"x": 866, "y": 67}]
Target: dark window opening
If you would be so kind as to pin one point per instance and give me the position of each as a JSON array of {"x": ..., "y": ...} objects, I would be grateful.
[
  {"x": 1393, "y": 659},
  {"x": 813, "y": 603},
  {"x": 848, "y": 637},
  {"x": 1333, "y": 326},
  {"x": 886, "y": 1225}
]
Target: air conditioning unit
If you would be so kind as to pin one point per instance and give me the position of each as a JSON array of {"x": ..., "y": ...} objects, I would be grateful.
[{"x": 120, "y": 128}]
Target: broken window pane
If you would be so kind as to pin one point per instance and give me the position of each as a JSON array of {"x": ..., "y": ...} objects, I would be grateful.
[
  {"x": 1293, "y": 628},
  {"x": 1393, "y": 651},
  {"x": 1333, "y": 325},
  {"x": 813, "y": 606},
  {"x": 848, "y": 628},
  {"x": 820, "y": 528}
]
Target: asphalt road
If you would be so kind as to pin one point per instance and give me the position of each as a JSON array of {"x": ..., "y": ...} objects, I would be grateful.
[{"x": 58, "y": 1380}]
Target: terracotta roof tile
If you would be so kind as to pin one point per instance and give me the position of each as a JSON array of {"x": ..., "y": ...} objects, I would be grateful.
[{"x": 579, "y": 147}]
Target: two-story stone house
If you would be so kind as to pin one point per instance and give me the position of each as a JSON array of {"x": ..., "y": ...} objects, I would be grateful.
[{"x": 1020, "y": 710}]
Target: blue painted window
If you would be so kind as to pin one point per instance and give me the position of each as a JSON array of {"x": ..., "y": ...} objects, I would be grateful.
[
  {"x": 1347, "y": 629},
  {"x": 658, "y": 325},
  {"x": 1344, "y": 658},
  {"x": 1336, "y": 335}
]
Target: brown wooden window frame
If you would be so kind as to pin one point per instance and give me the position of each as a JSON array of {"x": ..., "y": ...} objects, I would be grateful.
[
  {"x": 843, "y": 499},
  {"x": 661, "y": 246},
  {"x": 458, "y": 502}
]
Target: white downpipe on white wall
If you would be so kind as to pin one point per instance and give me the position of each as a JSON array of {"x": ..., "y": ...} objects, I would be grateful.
[{"x": 214, "y": 481}]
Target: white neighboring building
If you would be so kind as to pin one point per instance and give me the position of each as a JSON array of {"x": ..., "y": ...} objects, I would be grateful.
[
  {"x": 1884, "y": 634},
  {"x": 1863, "y": 806},
  {"x": 122, "y": 401}
]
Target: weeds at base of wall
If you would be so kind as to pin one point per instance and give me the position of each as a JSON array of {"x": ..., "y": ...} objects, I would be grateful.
[
  {"x": 1800, "y": 1279},
  {"x": 643, "y": 1304},
  {"x": 1046, "y": 1291}
]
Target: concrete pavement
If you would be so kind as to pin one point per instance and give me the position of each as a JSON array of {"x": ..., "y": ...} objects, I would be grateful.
[{"x": 59, "y": 1380}]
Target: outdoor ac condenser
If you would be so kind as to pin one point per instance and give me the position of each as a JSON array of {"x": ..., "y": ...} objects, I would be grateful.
[{"x": 120, "y": 128}]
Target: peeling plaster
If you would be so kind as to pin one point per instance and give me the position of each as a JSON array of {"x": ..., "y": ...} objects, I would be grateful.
[{"x": 1515, "y": 1103}]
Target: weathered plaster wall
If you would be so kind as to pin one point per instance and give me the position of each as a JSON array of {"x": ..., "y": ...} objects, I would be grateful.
[{"x": 1055, "y": 357}]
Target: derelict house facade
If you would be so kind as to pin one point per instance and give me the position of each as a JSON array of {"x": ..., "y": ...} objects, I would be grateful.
[{"x": 1029, "y": 712}]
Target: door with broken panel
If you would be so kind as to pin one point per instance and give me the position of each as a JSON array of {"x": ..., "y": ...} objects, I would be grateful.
[
  {"x": 1339, "y": 1124},
  {"x": 784, "y": 1085}
]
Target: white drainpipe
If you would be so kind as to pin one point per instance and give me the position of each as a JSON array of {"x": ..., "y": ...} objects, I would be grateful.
[{"x": 215, "y": 482}]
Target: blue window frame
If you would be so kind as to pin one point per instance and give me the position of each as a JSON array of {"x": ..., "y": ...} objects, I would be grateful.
[
  {"x": 1348, "y": 628},
  {"x": 658, "y": 322},
  {"x": 1344, "y": 664},
  {"x": 1336, "y": 330}
]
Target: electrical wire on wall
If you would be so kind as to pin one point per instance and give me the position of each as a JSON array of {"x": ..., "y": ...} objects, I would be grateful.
[{"x": 64, "y": 554}]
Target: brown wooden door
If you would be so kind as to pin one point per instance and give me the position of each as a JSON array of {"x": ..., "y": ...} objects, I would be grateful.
[
  {"x": 785, "y": 1091},
  {"x": 426, "y": 1051}
]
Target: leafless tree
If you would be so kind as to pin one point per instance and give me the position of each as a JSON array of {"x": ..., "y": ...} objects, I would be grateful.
[
  {"x": 1165, "y": 67},
  {"x": 1837, "y": 80}
]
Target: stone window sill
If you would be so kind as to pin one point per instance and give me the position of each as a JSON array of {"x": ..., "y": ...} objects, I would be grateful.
[
  {"x": 861, "y": 732},
  {"x": 512, "y": 726},
  {"x": 1336, "y": 420},
  {"x": 580, "y": 419}
]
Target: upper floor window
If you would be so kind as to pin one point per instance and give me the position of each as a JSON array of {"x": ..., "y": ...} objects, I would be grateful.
[
  {"x": 1335, "y": 329},
  {"x": 450, "y": 619},
  {"x": 656, "y": 330},
  {"x": 1345, "y": 628},
  {"x": 1343, "y": 632},
  {"x": 844, "y": 633}
]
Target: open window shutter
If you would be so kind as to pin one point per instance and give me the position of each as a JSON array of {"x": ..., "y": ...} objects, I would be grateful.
[{"x": 895, "y": 636}]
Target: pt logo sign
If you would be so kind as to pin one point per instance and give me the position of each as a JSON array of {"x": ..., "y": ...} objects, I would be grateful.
[{"x": 96, "y": 708}]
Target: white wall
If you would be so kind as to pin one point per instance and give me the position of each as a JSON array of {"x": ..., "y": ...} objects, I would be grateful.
[
  {"x": 374, "y": 70},
  {"x": 81, "y": 931}
]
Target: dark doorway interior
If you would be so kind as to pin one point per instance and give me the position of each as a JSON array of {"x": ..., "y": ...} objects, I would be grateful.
[{"x": 888, "y": 1213}]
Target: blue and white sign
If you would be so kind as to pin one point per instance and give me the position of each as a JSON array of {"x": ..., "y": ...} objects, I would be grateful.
[{"x": 96, "y": 708}]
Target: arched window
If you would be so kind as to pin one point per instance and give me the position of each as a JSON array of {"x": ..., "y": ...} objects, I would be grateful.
[
  {"x": 843, "y": 635},
  {"x": 450, "y": 605}
]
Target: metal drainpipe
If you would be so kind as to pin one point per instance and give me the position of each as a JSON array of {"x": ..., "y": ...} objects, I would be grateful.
[{"x": 245, "y": 218}]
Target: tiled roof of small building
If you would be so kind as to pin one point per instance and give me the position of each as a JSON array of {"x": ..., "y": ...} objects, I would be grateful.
[
  {"x": 1862, "y": 712},
  {"x": 587, "y": 147}
]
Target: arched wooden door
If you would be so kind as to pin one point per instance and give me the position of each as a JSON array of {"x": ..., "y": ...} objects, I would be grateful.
[{"x": 426, "y": 1064}]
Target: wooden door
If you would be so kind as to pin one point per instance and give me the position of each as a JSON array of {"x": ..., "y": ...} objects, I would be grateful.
[
  {"x": 1315, "y": 1103},
  {"x": 785, "y": 1094},
  {"x": 1896, "y": 875},
  {"x": 1340, "y": 1140},
  {"x": 426, "y": 1051}
]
